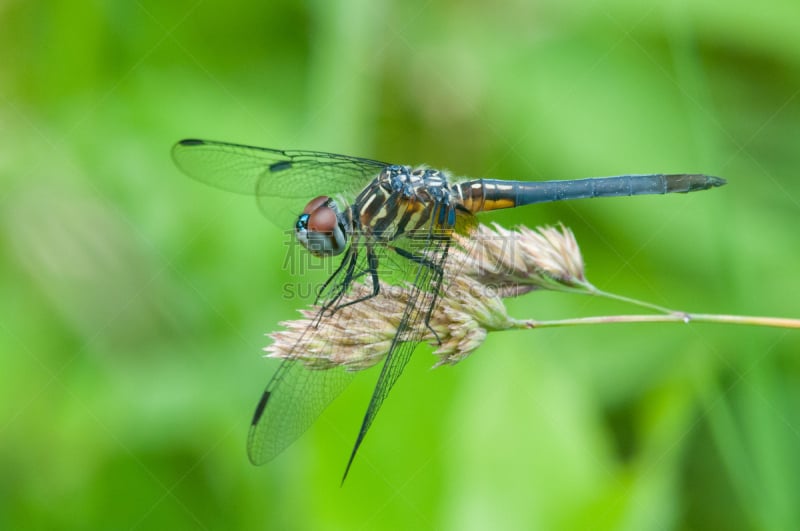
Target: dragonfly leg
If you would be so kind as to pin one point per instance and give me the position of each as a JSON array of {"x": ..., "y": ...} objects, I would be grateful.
[
  {"x": 324, "y": 286},
  {"x": 372, "y": 269},
  {"x": 338, "y": 288}
]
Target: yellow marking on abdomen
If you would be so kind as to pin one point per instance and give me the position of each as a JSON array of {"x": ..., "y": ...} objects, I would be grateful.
[{"x": 496, "y": 204}]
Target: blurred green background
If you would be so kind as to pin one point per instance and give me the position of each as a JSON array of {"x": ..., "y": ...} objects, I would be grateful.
[{"x": 135, "y": 300}]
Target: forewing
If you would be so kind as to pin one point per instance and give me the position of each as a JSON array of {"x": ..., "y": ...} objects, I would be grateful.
[{"x": 283, "y": 181}]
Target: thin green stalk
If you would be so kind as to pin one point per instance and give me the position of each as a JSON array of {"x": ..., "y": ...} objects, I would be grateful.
[
  {"x": 589, "y": 289},
  {"x": 673, "y": 317}
]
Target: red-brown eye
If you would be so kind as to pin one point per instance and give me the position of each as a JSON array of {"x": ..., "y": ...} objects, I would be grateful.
[
  {"x": 319, "y": 228},
  {"x": 323, "y": 219},
  {"x": 316, "y": 203}
]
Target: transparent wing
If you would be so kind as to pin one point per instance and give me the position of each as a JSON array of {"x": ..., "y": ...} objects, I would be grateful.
[{"x": 282, "y": 181}]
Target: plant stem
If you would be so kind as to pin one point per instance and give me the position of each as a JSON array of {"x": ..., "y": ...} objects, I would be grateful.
[{"x": 672, "y": 317}]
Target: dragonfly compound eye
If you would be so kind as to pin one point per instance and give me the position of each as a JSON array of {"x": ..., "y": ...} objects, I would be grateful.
[
  {"x": 319, "y": 228},
  {"x": 317, "y": 202},
  {"x": 323, "y": 219}
]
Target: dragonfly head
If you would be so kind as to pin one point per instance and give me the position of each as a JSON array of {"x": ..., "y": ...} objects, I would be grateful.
[{"x": 320, "y": 228}]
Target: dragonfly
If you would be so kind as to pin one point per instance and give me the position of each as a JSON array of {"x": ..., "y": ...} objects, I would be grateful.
[{"x": 382, "y": 219}]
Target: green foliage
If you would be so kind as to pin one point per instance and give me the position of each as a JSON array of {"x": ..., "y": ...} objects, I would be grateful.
[{"x": 135, "y": 300}]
